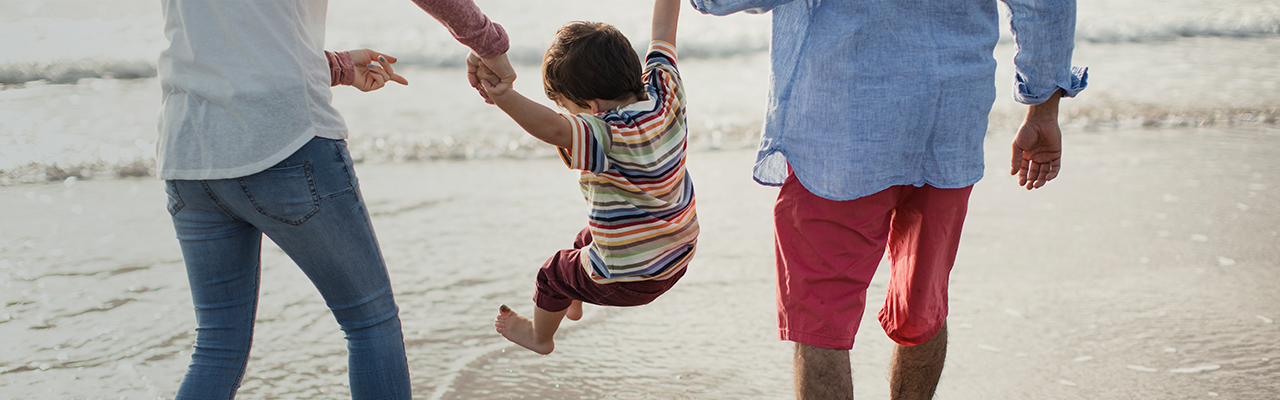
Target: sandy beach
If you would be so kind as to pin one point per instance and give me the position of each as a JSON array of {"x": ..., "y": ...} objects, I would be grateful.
[{"x": 1146, "y": 270}]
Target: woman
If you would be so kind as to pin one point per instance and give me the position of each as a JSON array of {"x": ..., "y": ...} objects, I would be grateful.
[{"x": 250, "y": 145}]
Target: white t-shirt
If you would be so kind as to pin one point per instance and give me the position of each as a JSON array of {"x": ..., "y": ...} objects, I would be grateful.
[{"x": 245, "y": 84}]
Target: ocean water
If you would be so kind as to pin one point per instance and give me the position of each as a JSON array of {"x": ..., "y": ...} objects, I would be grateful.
[
  {"x": 78, "y": 93},
  {"x": 1147, "y": 270}
]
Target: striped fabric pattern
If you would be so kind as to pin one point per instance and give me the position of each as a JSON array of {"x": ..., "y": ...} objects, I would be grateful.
[{"x": 643, "y": 221}]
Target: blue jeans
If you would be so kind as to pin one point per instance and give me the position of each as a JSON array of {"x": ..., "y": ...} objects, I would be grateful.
[{"x": 310, "y": 205}]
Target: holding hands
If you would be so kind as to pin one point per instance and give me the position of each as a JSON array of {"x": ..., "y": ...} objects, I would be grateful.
[{"x": 490, "y": 76}]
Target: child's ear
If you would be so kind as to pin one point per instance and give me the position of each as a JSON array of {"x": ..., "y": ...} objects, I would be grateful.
[{"x": 595, "y": 106}]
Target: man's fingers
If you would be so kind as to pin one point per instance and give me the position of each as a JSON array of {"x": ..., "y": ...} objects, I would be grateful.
[
  {"x": 1041, "y": 173},
  {"x": 1054, "y": 167},
  {"x": 1022, "y": 168},
  {"x": 1047, "y": 173},
  {"x": 1038, "y": 172},
  {"x": 1017, "y": 160},
  {"x": 1033, "y": 174}
]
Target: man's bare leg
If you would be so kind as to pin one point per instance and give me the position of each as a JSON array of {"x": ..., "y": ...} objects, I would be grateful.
[
  {"x": 915, "y": 370},
  {"x": 575, "y": 311},
  {"x": 822, "y": 374},
  {"x": 535, "y": 334}
]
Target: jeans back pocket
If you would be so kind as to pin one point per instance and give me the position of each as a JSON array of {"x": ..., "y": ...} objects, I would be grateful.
[{"x": 285, "y": 194}]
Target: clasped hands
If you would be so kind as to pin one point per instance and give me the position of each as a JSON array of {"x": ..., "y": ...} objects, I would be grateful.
[{"x": 490, "y": 76}]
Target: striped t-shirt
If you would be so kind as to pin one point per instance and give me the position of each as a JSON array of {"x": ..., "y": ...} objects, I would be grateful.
[{"x": 642, "y": 220}]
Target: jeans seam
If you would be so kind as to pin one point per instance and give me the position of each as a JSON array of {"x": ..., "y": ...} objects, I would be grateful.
[
  {"x": 177, "y": 197},
  {"x": 244, "y": 367},
  {"x": 346, "y": 170},
  {"x": 217, "y": 202}
]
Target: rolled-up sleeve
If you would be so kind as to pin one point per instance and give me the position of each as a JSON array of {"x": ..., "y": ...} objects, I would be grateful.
[
  {"x": 1044, "y": 31},
  {"x": 726, "y": 7},
  {"x": 342, "y": 70}
]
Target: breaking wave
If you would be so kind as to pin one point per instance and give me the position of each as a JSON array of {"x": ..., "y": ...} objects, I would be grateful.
[
  {"x": 738, "y": 135},
  {"x": 435, "y": 55}
]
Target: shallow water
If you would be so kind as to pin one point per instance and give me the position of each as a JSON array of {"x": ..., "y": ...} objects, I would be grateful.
[{"x": 67, "y": 109}]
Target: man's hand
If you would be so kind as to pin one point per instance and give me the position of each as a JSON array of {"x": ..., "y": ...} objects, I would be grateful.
[
  {"x": 496, "y": 70},
  {"x": 370, "y": 76},
  {"x": 1037, "y": 149}
]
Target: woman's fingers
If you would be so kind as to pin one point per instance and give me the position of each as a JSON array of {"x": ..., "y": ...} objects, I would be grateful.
[{"x": 385, "y": 61}]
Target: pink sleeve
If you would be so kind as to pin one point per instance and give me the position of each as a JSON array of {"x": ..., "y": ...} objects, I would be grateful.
[
  {"x": 469, "y": 25},
  {"x": 342, "y": 70}
]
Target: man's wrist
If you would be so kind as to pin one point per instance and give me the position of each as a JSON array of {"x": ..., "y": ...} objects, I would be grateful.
[{"x": 1048, "y": 110}]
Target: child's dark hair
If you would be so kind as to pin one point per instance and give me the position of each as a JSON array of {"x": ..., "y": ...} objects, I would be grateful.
[{"x": 591, "y": 60}]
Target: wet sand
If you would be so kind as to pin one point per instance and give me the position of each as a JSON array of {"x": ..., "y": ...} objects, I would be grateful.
[{"x": 1146, "y": 270}]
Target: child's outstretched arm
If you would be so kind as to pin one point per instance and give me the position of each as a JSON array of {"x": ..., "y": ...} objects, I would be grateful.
[
  {"x": 666, "y": 13},
  {"x": 541, "y": 122}
]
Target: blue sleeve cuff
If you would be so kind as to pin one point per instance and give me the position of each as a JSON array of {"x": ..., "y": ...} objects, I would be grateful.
[
  {"x": 1079, "y": 80},
  {"x": 1071, "y": 84},
  {"x": 726, "y": 7}
]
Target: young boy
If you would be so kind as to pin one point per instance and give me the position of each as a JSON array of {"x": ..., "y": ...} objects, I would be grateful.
[{"x": 627, "y": 136}]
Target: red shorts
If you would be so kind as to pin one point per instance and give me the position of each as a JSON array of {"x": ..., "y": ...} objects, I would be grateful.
[
  {"x": 562, "y": 280},
  {"x": 827, "y": 252}
]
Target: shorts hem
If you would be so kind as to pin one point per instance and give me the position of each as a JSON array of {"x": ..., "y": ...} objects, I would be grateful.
[
  {"x": 916, "y": 340},
  {"x": 825, "y": 342},
  {"x": 550, "y": 303}
]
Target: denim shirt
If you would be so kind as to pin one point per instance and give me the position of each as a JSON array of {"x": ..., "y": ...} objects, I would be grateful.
[{"x": 868, "y": 94}]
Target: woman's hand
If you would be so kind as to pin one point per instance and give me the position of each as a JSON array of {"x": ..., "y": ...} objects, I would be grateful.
[{"x": 371, "y": 76}]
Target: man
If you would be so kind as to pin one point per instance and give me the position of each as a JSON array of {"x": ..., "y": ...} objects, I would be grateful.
[{"x": 874, "y": 131}]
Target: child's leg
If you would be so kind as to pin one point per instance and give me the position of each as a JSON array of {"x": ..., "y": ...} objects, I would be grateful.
[
  {"x": 574, "y": 312},
  {"x": 535, "y": 334}
]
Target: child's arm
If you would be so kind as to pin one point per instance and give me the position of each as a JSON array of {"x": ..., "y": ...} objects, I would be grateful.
[
  {"x": 541, "y": 122},
  {"x": 666, "y": 13}
]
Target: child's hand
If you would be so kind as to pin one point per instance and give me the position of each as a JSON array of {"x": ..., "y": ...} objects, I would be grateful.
[
  {"x": 489, "y": 82},
  {"x": 496, "y": 71},
  {"x": 489, "y": 91},
  {"x": 370, "y": 76}
]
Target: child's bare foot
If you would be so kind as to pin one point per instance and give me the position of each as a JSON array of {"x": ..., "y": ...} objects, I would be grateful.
[
  {"x": 519, "y": 330},
  {"x": 575, "y": 311}
]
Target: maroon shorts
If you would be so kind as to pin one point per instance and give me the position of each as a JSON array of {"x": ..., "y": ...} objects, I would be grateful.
[
  {"x": 562, "y": 280},
  {"x": 827, "y": 252}
]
